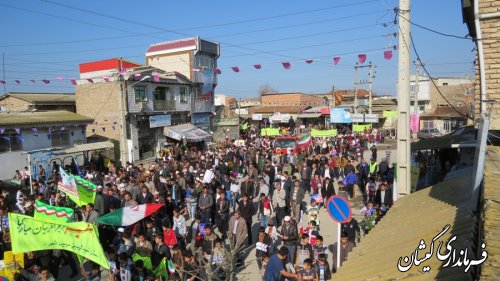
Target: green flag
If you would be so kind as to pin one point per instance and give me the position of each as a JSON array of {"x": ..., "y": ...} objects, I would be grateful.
[
  {"x": 145, "y": 260},
  {"x": 161, "y": 270},
  {"x": 86, "y": 192},
  {"x": 29, "y": 234},
  {"x": 47, "y": 212}
]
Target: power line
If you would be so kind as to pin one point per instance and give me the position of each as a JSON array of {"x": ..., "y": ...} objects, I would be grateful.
[{"x": 466, "y": 37}]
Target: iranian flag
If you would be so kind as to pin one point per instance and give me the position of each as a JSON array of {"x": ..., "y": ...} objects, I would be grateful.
[
  {"x": 305, "y": 141},
  {"x": 129, "y": 215}
]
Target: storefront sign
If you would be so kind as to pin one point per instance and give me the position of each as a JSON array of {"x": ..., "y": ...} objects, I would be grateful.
[
  {"x": 280, "y": 118},
  {"x": 200, "y": 118},
  {"x": 160, "y": 121},
  {"x": 226, "y": 122},
  {"x": 371, "y": 118},
  {"x": 357, "y": 118},
  {"x": 340, "y": 115},
  {"x": 257, "y": 117}
]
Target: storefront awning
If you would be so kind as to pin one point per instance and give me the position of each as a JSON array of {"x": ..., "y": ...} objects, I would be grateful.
[
  {"x": 85, "y": 147},
  {"x": 188, "y": 131},
  {"x": 309, "y": 115}
]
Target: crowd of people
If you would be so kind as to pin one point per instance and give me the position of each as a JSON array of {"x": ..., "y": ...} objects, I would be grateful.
[{"x": 219, "y": 203}]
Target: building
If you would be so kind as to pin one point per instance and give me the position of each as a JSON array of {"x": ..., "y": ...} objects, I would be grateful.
[
  {"x": 457, "y": 89},
  {"x": 223, "y": 100},
  {"x": 291, "y": 99},
  {"x": 195, "y": 59},
  {"x": 343, "y": 97},
  {"x": 21, "y": 101},
  {"x": 226, "y": 124},
  {"x": 444, "y": 118},
  {"x": 24, "y": 132},
  {"x": 130, "y": 109}
]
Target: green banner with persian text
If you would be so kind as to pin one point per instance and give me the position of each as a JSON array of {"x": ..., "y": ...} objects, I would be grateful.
[
  {"x": 361, "y": 128},
  {"x": 270, "y": 132},
  {"x": 28, "y": 234},
  {"x": 323, "y": 133},
  {"x": 390, "y": 113},
  {"x": 86, "y": 192}
]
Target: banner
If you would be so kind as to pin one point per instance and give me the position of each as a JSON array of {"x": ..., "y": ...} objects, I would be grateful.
[
  {"x": 340, "y": 115},
  {"x": 226, "y": 121},
  {"x": 29, "y": 234},
  {"x": 156, "y": 121},
  {"x": 47, "y": 212},
  {"x": 145, "y": 260},
  {"x": 67, "y": 183},
  {"x": 361, "y": 128},
  {"x": 390, "y": 113},
  {"x": 208, "y": 82},
  {"x": 323, "y": 133},
  {"x": 9, "y": 269},
  {"x": 415, "y": 123},
  {"x": 257, "y": 117},
  {"x": 270, "y": 132}
]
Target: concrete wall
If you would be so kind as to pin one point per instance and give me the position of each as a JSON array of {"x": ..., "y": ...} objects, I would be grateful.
[
  {"x": 14, "y": 104},
  {"x": 173, "y": 96},
  {"x": 180, "y": 62}
]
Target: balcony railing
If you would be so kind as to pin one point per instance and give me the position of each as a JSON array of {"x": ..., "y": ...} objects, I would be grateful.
[{"x": 164, "y": 105}]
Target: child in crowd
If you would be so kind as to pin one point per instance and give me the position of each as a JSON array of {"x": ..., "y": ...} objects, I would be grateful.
[
  {"x": 323, "y": 268},
  {"x": 307, "y": 272}
]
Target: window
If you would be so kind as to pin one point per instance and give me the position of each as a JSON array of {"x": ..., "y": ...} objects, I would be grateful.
[
  {"x": 60, "y": 138},
  {"x": 428, "y": 124},
  {"x": 11, "y": 142},
  {"x": 447, "y": 125},
  {"x": 159, "y": 94},
  {"x": 140, "y": 93},
  {"x": 183, "y": 95}
]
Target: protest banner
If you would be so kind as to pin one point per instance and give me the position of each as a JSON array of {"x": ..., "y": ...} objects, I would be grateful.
[
  {"x": 30, "y": 234},
  {"x": 47, "y": 212}
]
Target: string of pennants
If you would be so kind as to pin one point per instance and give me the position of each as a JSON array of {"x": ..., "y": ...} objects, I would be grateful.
[
  {"x": 156, "y": 76},
  {"x": 50, "y": 131}
]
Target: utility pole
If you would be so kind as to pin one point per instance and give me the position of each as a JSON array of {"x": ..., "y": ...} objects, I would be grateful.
[
  {"x": 333, "y": 97},
  {"x": 403, "y": 96},
  {"x": 3, "y": 70},
  {"x": 370, "y": 91},
  {"x": 356, "y": 83}
]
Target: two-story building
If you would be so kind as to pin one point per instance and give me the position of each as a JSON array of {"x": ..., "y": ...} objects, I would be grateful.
[
  {"x": 195, "y": 59},
  {"x": 131, "y": 106},
  {"x": 27, "y": 101}
]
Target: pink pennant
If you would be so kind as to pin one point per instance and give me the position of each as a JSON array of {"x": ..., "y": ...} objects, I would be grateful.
[
  {"x": 90, "y": 81},
  {"x": 60, "y": 78},
  {"x": 18, "y": 130},
  {"x": 45, "y": 81},
  {"x": 257, "y": 66},
  {"x": 123, "y": 72},
  {"x": 286, "y": 65},
  {"x": 218, "y": 71},
  {"x": 336, "y": 60},
  {"x": 156, "y": 76},
  {"x": 196, "y": 69},
  {"x": 388, "y": 55},
  {"x": 309, "y": 61},
  {"x": 106, "y": 78},
  {"x": 235, "y": 69},
  {"x": 137, "y": 76},
  {"x": 2, "y": 130},
  {"x": 362, "y": 58},
  {"x": 18, "y": 82},
  {"x": 1, "y": 81},
  {"x": 73, "y": 81},
  {"x": 62, "y": 128}
]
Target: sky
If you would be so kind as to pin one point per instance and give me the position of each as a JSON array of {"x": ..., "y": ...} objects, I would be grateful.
[{"x": 46, "y": 39}]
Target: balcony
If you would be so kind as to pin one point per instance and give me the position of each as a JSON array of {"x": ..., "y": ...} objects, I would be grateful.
[{"x": 164, "y": 105}]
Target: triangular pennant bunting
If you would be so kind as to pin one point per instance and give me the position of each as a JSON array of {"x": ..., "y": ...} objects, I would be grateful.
[
  {"x": 362, "y": 58},
  {"x": 257, "y": 66},
  {"x": 336, "y": 60},
  {"x": 286, "y": 65}
]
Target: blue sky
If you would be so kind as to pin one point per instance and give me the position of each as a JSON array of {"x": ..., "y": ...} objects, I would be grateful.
[{"x": 44, "y": 39}]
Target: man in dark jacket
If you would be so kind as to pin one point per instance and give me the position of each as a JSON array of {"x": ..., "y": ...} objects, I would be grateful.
[
  {"x": 363, "y": 174},
  {"x": 222, "y": 214},
  {"x": 289, "y": 235},
  {"x": 145, "y": 196},
  {"x": 383, "y": 197},
  {"x": 247, "y": 187},
  {"x": 247, "y": 210}
]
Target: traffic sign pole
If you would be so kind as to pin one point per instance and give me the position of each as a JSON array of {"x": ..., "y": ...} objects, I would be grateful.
[
  {"x": 338, "y": 244},
  {"x": 340, "y": 211}
]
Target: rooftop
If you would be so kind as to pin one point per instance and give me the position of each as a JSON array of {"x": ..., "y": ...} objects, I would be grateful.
[
  {"x": 41, "y": 118},
  {"x": 281, "y": 109},
  {"x": 447, "y": 112},
  {"x": 419, "y": 216},
  {"x": 43, "y": 98}
]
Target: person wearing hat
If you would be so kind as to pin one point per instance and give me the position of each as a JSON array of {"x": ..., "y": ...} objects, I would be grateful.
[
  {"x": 289, "y": 236},
  {"x": 205, "y": 203},
  {"x": 346, "y": 247}
]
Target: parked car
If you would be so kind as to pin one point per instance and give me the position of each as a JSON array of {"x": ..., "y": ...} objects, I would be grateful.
[{"x": 429, "y": 133}]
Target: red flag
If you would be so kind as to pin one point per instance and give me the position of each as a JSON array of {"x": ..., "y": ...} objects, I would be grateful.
[
  {"x": 73, "y": 81},
  {"x": 45, "y": 81},
  {"x": 388, "y": 55},
  {"x": 362, "y": 58},
  {"x": 235, "y": 69},
  {"x": 286, "y": 65},
  {"x": 156, "y": 76},
  {"x": 257, "y": 66},
  {"x": 336, "y": 60},
  {"x": 309, "y": 61},
  {"x": 218, "y": 71},
  {"x": 18, "y": 82}
]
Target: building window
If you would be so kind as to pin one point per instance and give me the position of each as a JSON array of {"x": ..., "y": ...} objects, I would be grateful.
[
  {"x": 160, "y": 94},
  {"x": 428, "y": 124},
  {"x": 60, "y": 138},
  {"x": 447, "y": 126},
  {"x": 10, "y": 142},
  {"x": 183, "y": 95},
  {"x": 140, "y": 93}
]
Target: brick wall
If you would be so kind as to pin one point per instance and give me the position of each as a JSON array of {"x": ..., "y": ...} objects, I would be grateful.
[
  {"x": 490, "y": 28},
  {"x": 14, "y": 104},
  {"x": 101, "y": 101},
  {"x": 291, "y": 100}
]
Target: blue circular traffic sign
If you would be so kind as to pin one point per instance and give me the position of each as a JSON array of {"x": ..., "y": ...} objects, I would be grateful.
[{"x": 339, "y": 209}]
